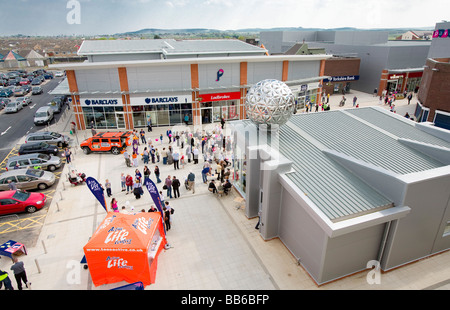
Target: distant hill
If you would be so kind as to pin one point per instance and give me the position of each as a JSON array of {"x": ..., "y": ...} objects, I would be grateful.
[{"x": 193, "y": 31}]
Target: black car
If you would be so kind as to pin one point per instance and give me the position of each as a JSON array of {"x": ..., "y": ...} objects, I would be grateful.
[
  {"x": 36, "y": 90},
  {"x": 38, "y": 147},
  {"x": 27, "y": 88},
  {"x": 36, "y": 81}
]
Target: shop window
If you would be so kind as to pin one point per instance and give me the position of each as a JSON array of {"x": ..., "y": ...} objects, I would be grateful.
[
  {"x": 175, "y": 117},
  {"x": 446, "y": 230}
]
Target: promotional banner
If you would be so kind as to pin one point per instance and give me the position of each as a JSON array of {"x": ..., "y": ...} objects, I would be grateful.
[
  {"x": 97, "y": 190},
  {"x": 151, "y": 187}
]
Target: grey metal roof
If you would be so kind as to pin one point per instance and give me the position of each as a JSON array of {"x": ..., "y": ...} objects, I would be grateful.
[
  {"x": 333, "y": 189},
  {"x": 166, "y": 47},
  {"x": 399, "y": 128},
  {"x": 343, "y": 133}
]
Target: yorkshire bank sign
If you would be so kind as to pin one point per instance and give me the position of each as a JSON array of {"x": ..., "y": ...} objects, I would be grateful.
[{"x": 220, "y": 96}]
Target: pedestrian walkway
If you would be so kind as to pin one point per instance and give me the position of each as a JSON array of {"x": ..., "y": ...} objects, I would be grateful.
[{"x": 213, "y": 245}]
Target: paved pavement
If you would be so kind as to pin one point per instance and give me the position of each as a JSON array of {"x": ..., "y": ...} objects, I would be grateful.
[{"x": 214, "y": 246}]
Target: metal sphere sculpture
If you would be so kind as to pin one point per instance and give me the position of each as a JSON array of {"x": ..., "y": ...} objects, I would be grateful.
[{"x": 269, "y": 102}]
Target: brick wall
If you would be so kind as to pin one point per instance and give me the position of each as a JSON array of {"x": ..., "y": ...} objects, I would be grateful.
[
  {"x": 339, "y": 67},
  {"x": 434, "y": 91}
]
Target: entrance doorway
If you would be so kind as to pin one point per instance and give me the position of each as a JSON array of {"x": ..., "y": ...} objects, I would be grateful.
[
  {"x": 206, "y": 115},
  {"x": 120, "y": 120}
]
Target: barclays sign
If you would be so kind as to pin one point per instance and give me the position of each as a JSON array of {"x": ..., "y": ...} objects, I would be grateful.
[
  {"x": 100, "y": 102},
  {"x": 174, "y": 99}
]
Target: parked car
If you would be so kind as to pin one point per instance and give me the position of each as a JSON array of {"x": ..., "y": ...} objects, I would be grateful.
[
  {"x": 4, "y": 102},
  {"x": 14, "y": 107},
  {"x": 26, "y": 88},
  {"x": 55, "y": 106},
  {"x": 27, "y": 179},
  {"x": 34, "y": 160},
  {"x": 113, "y": 142},
  {"x": 18, "y": 201},
  {"x": 49, "y": 137},
  {"x": 38, "y": 147},
  {"x": 59, "y": 73},
  {"x": 36, "y": 90},
  {"x": 6, "y": 92},
  {"x": 48, "y": 75},
  {"x": 43, "y": 116},
  {"x": 19, "y": 91},
  {"x": 25, "y": 100},
  {"x": 14, "y": 81},
  {"x": 36, "y": 81},
  {"x": 24, "y": 81}
]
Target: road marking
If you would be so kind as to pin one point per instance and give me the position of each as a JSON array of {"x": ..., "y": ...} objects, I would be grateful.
[
  {"x": 31, "y": 107},
  {"x": 6, "y": 130}
]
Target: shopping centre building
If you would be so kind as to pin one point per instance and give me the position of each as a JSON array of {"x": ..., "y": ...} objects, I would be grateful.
[
  {"x": 392, "y": 65},
  {"x": 126, "y": 82}
]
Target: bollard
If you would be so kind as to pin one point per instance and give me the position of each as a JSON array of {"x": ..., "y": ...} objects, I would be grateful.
[
  {"x": 43, "y": 245},
  {"x": 60, "y": 195},
  {"x": 57, "y": 207},
  {"x": 37, "y": 265}
]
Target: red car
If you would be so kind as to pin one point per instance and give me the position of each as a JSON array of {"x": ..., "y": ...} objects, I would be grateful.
[
  {"x": 17, "y": 201},
  {"x": 25, "y": 82}
]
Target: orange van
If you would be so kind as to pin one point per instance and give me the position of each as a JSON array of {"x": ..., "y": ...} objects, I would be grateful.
[{"x": 113, "y": 142}]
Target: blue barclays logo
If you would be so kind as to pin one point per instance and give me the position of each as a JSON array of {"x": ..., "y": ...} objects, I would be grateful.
[
  {"x": 101, "y": 102},
  {"x": 219, "y": 74},
  {"x": 161, "y": 100}
]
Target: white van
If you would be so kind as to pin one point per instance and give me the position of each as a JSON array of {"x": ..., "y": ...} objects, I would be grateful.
[{"x": 44, "y": 115}]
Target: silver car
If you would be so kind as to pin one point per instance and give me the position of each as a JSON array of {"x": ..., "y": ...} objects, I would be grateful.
[
  {"x": 27, "y": 179},
  {"x": 13, "y": 107},
  {"x": 25, "y": 100},
  {"x": 35, "y": 160},
  {"x": 49, "y": 137}
]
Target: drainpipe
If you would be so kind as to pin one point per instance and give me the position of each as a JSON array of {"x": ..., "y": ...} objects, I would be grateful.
[{"x": 383, "y": 241}]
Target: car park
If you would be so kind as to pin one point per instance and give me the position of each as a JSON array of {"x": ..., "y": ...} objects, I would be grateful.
[
  {"x": 18, "y": 201},
  {"x": 43, "y": 116},
  {"x": 113, "y": 142},
  {"x": 36, "y": 90},
  {"x": 14, "y": 107},
  {"x": 38, "y": 147},
  {"x": 49, "y": 137},
  {"x": 27, "y": 179},
  {"x": 34, "y": 160},
  {"x": 25, "y": 100}
]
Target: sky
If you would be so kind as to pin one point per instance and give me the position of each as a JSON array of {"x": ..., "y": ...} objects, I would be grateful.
[{"x": 97, "y": 17}]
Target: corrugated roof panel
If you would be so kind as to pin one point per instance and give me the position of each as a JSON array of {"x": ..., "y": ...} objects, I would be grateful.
[
  {"x": 345, "y": 134},
  {"x": 397, "y": 127},
  {"x": 332, "y": 188}
]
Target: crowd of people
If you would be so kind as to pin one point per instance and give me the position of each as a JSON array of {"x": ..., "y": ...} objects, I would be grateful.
[{"x": 178, "y": 150}]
